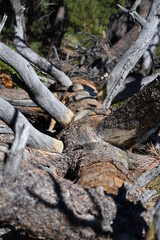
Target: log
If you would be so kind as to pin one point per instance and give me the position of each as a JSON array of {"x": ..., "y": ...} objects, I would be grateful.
[
  {"x": 136, "y": 120},
  {"x": 68, "y": 210}
]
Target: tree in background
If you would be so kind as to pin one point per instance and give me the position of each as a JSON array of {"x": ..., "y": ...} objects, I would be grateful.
[{"x": 47, "y": 21}]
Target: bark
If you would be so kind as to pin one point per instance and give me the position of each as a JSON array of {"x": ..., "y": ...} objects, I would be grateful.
[
  {"x": 58, "y": 206},
  {"x": 12, "y": 117},
  {"x": 68, "y": 210},
  {"x": 24, "y": 50},
  {"x": 55, "y": 163},
  {"x": 136, "y": 120},
  {"x": 132, "y": 55},
  {"x": 133, "y": 123},
  {"x": 37, "y": 91}
]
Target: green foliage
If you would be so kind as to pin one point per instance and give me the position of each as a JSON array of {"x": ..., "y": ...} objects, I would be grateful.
[
  {"x": 36, "y": 46},
  {"x": 155, "y": 184},
  {"x": 5, "y": 68},
  {"x": 90, "y": 16},
  {"x": 83, "y": 15},
  {"x": 118, "y": 104}
]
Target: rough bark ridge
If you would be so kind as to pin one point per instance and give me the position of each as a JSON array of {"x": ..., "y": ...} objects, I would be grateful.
[
  {"x": 61, "y": 203},
  {"x": 68, "y": 210}
]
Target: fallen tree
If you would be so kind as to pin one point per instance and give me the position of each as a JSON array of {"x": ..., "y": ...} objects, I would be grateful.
[{"x": 49, "y": 195}]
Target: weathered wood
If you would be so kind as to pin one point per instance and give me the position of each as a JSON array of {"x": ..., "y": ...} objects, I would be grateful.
[
  {"x": 68, "y": 210},
  {"x": 16, "y": 152},
  {"x": 132, "y": 84},
  {"x": 56, "y": 163},
  {"x": 31, "y": 56},
  {"x": 132, "y": 55},
  {"x": 136, "y": 120},
  {"x": 3, "y": 22},
  {"x": 132, "y": 12},
  {"x": 12, "y": 117},
  {"x": 20, "y": 99},
  {"x": 149, "y": 55},
  {"x": 37, "y": 91}
]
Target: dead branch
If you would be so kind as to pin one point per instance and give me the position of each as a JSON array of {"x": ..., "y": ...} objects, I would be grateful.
[
  {"x": 132, "y": 12},
  {"x": 3, "y": 22},
  {"x": 132, "y": 55},
  {"x": 37, "y": 91},
  {"x": 16, "y": 152},
  {"x": 12, "y": 117},
  {"x": 25, "y": 50}
]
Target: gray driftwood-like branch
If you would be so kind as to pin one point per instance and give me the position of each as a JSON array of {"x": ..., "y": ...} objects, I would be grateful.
[
  {"x": 11, "y": 116},
  {"x": 3, "y": 22},
  {"x": 26, "y": 51},
  {"x": 132, "y": 12},
  {"x": 36, "y": 90},
  {"x": 149, "y": 55},
  {"x": 132, "y": 55},
  {"x": 16, "y": 152}
]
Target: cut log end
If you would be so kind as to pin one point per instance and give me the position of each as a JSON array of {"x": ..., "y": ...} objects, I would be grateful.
[
  {"x": 57, "y": 146},
  {"x": 68, "y": 118}
]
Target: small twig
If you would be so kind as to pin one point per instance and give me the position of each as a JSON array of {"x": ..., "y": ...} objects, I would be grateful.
[
  {"x": 16, "y": 152},
  {"x": 135, "y": 5},
  {"x": 3, "y": 22},
  {"x": 144, "y": 179},
  {"x": 56, "y": 53},
  {"x": 132, "y": 12}
]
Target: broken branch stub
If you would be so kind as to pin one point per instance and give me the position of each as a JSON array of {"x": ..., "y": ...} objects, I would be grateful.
[{"x": 16, "y": 152}]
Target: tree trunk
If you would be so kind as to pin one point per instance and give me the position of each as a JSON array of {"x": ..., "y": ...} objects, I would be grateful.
[
  {"x": 68, "y": 210},
  {"x": 136, "y": 120}
]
